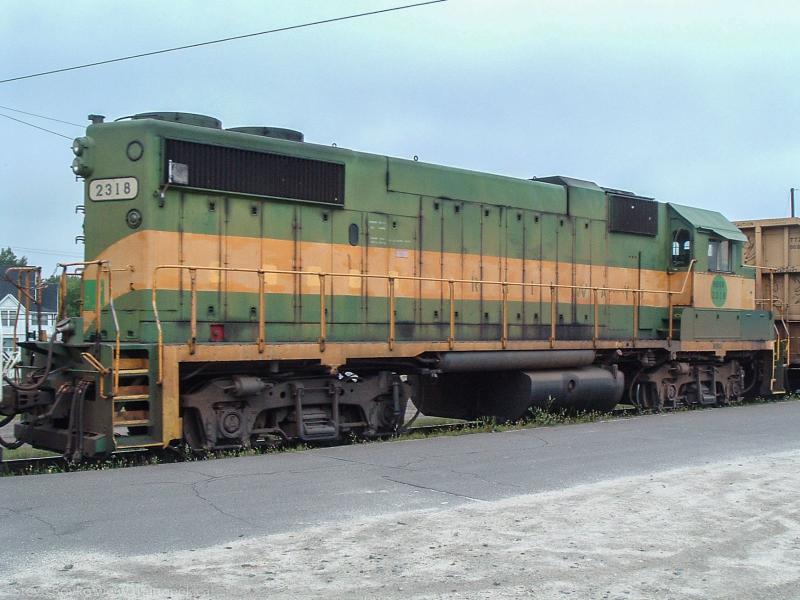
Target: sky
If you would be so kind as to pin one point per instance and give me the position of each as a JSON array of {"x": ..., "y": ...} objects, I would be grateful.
[{"x": 690, "y": 102}]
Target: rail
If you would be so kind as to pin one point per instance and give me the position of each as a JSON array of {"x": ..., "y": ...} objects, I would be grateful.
[{"x": 261, "y": 274}]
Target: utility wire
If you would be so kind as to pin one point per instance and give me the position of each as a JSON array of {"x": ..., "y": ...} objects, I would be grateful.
[
  {"x": 24, "y": 250},
  {"x": 16, "y": 110},
  {"x": 222, "y": 40},
  {"x": 66, "y": 137}
]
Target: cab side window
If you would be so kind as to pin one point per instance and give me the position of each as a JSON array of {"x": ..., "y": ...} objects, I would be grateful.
[
  {"x": 719, "y": 255},
  {"x": 681, "y": 248}
]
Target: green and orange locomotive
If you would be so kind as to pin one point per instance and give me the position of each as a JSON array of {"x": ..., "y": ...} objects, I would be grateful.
[{"x": 242, "y": 286}]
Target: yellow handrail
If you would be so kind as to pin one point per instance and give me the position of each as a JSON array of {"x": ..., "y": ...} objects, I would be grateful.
[
  {"x": 103, "y": 267},
  {"x": 391, "y": 284}
]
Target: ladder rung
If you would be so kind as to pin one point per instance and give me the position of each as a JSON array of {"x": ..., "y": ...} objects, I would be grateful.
[
  {"x": 131, "y": 397},
  {"x": 131, "y": 372},
  {"x": 145, "y": 445},
  {"x": 132, "y": 363},
  {"x": 132, "y": 423}
]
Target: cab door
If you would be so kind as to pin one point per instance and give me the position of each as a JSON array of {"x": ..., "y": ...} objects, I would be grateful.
[{"x": 681, "y": 254}]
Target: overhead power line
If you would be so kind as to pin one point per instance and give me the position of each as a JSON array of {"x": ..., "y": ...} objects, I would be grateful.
[
  {"x": 222, "y": 40},
  {"x": 30, "y": 114},
  {"x": 42, "y": 251},
  {"x": 66, "y": 137}
]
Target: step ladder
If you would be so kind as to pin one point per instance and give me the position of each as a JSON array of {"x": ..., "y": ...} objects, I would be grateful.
[
  {"x": 314, "y": 424},
  {"x": 133, "y": 413},
  {"x": 780, "y": 361}
]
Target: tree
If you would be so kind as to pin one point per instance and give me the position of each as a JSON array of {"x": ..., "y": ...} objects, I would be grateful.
[
  {"x": 72, "y": 304},
  {"x": 9, "y": 259}
]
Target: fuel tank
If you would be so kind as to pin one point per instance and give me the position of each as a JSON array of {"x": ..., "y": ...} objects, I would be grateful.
[{"x": 507, "y": 395}]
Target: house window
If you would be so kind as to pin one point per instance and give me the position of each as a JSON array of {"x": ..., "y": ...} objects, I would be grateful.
[
  {"x": 719, "y": 255},
  {"x": 7, "y": 317},
  {"x": 45, "y": 321}
]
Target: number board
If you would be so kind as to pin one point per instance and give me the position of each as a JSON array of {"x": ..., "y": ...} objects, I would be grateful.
[{"x": 118, "y": 188}]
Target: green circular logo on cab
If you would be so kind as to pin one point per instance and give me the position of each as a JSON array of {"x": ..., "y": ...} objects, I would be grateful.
[{"x": 719, "y": 291}]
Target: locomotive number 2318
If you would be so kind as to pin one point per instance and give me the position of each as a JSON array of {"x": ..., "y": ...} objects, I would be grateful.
[{"x": 118, "y": 188}]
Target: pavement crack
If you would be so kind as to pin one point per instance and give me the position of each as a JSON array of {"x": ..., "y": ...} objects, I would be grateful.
[
  {"x": 529, "y": 433},
  {"x": 489, "y": 481},
  {"x": 211, "y": 503},
  {"x": 404, "y": 467},
  {"x": 541, "y": 439},
  {"x": 355, "y": 462},
  {"x": 432, "y": 489},
  {"x": 25, "y": 514}
]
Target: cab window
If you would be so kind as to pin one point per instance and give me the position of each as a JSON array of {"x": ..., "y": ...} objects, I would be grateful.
[
  {"x": 681, "y": 248},
  {"x": 719, "y": 255}
]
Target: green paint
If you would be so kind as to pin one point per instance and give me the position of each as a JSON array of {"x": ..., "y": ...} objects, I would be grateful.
[
  {"x": 396, "y": 203},
  {"x": 719, "y": 291}
]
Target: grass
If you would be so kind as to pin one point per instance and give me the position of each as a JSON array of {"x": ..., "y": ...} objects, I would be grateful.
[
  {"x": 25, "y": 452},
  {"x": 535, "y": 417}
]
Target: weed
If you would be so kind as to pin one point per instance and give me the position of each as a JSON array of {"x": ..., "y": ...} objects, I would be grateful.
[{"x": 439, "y": 427}]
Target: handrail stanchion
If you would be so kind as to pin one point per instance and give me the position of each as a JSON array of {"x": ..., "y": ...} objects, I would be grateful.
[
  {"x": 452, "y": 339},
  {"x": 117, "y": 343},
  {"x": 504, "y": 334},
  {"x": 322, "y": 320},
  {"x": 261, "y": 318},
  {"x": 390, "y": 283},
  {"x": 669, "y": 308},
  {"x": 97, "y": 300},
  {"x": 636, "y": 300},
  {"x": 553, "y": 314},
  {"x": 596, "y": 308},
  {"x": 62, "y": 295},
  {"x": 159, "y": 329},
  {"x": 193, "y": 315}
]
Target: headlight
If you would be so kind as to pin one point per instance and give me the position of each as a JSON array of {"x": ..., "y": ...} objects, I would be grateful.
[
  {"x": 81, "y": 168},
  {"x": 80, "y": 145}
]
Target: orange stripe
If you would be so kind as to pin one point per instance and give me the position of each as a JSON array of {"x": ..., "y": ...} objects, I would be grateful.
[{"x": 153, "y": 248}]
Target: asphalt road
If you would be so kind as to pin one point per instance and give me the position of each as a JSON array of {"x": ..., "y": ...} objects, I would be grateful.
[{"x": 191, "y": 505}]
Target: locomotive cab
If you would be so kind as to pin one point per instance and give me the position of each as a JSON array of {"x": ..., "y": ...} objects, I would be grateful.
[{"x": 710, "y": 245}]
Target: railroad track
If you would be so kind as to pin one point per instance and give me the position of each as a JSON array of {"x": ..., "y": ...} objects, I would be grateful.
[
  {"x": 57, "y": 464},
  {"x": 30, "y": 466},
  {"x": 50, "y": 464}
]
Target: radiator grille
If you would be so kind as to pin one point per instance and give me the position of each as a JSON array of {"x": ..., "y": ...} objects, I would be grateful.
[
  {"x": 259, "y": 173},
  {"x": 629, "y": 214}
]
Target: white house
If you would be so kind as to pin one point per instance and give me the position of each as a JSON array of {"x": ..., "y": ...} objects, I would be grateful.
[{"x": 9, "y": 304}]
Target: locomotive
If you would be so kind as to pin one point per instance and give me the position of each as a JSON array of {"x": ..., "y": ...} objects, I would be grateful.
[{"x": 242, "y": 286}]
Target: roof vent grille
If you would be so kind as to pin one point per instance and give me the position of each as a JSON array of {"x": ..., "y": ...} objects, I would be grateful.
[{"x": 272, "y": 132}]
